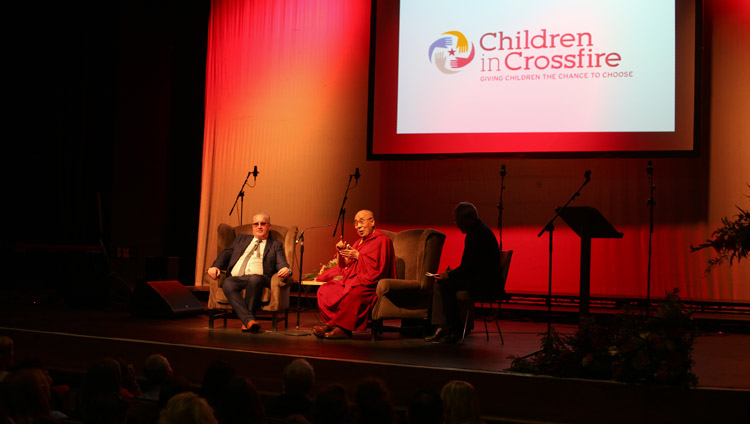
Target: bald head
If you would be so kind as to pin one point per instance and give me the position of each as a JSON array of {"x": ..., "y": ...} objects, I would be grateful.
[
  {"x": 465, "y": 215},
  {"x": 364, "y": 222}
]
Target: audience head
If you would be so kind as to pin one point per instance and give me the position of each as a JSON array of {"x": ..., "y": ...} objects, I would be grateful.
[
  {"x": 425, "y": 407},
  {"x": 170, "y": 387},
  {"x": 26, "y": 395},
  {"x": 6, "y": 353},
  {"x": 465, "y": 215},
  {"x": 298, "y": 377},
  {"x": 460, "y": 403},
  {"x": 240, "y": 402},
  {"x": 128, "y": 380},
  {"x": 373, "y": 402},
  {"x": 156, "y": 369},
  {"x": 187, "y": 408},
  {"x": 215, "y": 378},
  {"x": 103, "y": 376},
  {"x": 331, "y": 405}
]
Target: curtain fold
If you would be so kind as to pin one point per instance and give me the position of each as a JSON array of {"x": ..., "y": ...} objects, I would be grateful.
[{"x": 286, "y": 91}]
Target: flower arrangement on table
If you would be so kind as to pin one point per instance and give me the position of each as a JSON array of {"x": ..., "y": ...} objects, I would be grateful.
[{"x": 323, "y": 268}]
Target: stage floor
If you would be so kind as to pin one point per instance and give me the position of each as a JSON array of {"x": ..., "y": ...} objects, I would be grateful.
[{"x": 72, "y": 339}]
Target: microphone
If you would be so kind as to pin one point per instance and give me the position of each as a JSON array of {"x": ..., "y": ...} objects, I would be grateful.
[
  {"x": 587, "y": 175},
  {"x": 649, "y": 168},
  {"x": 356, "y": 175},
  {"x": 255, "y": 171},
  {"x": 502, "y": 170},
  {"x": 302, "y": 234}
]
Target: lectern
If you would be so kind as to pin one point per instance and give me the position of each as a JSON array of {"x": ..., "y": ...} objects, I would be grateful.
[{"x": 588, "y": 223}]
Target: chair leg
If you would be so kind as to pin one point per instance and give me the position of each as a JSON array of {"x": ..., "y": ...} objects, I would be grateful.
[
  {"x": 486, "y": 331},
  {"x": 275, "y": 321},
  {"x": 286, "y": 319},
  {"x": 374, "y": 327},
  {"x": 497, "y": 321},
  {"x": 210, "y": 320},
  {"x": 466, "y": 324}
]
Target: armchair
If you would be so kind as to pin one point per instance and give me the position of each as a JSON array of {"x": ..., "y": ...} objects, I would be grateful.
[
  {"x": 409, "y": 295},
  {"x": 275, "y": 298}
]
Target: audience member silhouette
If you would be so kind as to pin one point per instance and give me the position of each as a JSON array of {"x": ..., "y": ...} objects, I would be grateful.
[
  {"x": 187, "y": 408},
  {"x": 460, "y": 403},
  {"x": 170, "y": 387},
  {"x": 297, "y": 380},
  {"x": 331, "y": 405},
  {"x": 128, "y": 380},
  {"x": 240, "y": 403},
  {"x": 101, "y": 386},
  {"x": 156, "y": 369},
  {"x": 296, "y": 419},
  {"x": 106, "y": 408},
  {"x": 26, "y": 397},
  {"x": 215, "y": 378},
  {"x": 54, "y": 394},
  {"x": 372, "y": 403},
  {"x": 425, "y": 407},
  {"x": 6, "y": 356}
]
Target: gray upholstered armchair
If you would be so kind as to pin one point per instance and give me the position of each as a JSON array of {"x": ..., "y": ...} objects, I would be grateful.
[
  {"x": 275, "y": 298},
  {"x": 409, "y": 295}
]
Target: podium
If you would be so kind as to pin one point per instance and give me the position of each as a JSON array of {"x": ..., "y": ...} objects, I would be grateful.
[{"x": 588, "y": 223}]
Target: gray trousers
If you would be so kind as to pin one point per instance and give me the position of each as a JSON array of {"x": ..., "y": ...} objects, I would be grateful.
[{"x": 253, "y": 285}]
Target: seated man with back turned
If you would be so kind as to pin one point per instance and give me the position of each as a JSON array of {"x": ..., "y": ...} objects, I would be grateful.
[
  {"x": 250, "y": 262},
  {"x": 478, "y": 273},
  {"x": 345, "y": 304}
]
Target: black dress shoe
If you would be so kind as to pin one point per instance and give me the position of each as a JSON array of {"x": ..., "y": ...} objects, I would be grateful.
[
  {"x": 450, "y": 337},
  {"x": 439, "y": 334}
]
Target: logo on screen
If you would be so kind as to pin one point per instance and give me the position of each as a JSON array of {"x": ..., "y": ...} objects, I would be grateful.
[{"x": 451, "y": 52}]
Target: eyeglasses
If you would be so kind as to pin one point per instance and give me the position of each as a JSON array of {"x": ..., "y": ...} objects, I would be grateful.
[
  {"x": 361, "y": 221},
  {"x": 259, "y": 224}
]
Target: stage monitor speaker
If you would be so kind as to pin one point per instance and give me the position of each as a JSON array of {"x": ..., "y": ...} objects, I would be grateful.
[{"x": 164, "y": 299}]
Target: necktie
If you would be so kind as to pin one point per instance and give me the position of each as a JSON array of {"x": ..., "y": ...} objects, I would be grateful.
[{"x": 243, "y": 268}]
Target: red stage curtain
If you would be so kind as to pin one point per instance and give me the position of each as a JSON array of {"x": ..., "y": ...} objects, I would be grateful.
[{"x": 286, "y": 90}]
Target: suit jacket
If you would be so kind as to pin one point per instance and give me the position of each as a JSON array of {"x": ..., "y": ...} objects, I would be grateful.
[
  {"x": 480, "y": 262},
  {"x": 273, "y": 256}
]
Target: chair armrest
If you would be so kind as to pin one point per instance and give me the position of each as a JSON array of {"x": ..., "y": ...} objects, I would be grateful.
[
  {"x": 394, "y": 284},
  {"x": 208, "y": 279},
  {"x": 281, "y": 282}
]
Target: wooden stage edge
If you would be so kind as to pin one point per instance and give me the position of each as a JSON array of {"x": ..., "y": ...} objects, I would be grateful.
[{"x": 70, "y": 341}]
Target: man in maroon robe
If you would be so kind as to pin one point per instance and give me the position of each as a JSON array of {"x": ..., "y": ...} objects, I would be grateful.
[{"x": 345, "y": 304}]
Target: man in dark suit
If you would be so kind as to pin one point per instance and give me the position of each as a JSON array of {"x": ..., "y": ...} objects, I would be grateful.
[
  {"x": 250, "y": 262},
  {"x": 478, "y": 273}
]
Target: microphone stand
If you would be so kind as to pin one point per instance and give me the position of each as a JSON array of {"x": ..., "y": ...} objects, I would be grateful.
[
  {"x": 500, "y": 209},
  {"x": 550, "y": 228},
  {"x": 241, "y": 196},
  {"x": 651, "y": 202},
  {"x": 342, "y": 211},
  {"x": 301, "y": 241}
]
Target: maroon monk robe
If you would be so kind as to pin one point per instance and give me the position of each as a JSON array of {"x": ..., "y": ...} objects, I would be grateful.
[{"x": 346, "y": 303}]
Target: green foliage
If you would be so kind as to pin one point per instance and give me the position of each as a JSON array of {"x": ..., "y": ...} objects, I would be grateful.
[
  {"x": 631, "y": 348},
  {"x": 323, "y": 267},
  {"x": 731, "y": 241}
]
